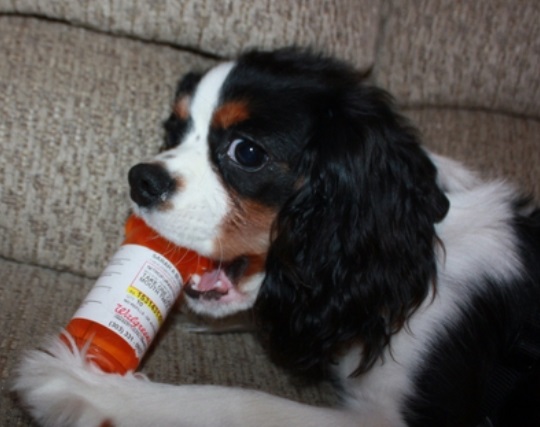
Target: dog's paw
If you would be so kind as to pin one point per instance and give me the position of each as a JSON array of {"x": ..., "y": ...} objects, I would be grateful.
[{"x": 60, "y": 388}]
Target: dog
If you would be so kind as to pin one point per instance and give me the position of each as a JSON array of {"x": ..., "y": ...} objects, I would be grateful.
[{"x": 398, "y": 274}]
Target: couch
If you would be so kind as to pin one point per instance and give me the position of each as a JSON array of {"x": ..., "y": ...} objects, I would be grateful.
[{"x": 84, "y": 87}]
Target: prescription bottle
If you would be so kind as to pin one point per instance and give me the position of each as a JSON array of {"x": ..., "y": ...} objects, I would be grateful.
[{"x": 121, "y": 315}]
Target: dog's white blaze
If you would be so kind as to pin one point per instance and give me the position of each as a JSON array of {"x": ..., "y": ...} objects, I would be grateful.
[
  {"x": 206, "y": 96},
  {"x": 200, "y": 206}
]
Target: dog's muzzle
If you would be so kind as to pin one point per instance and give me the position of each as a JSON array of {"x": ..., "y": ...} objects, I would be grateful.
[{"x": 150, "y": 184}]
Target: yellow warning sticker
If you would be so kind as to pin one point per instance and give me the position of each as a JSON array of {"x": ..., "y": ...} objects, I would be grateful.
[{"x": 145, "y": 299}]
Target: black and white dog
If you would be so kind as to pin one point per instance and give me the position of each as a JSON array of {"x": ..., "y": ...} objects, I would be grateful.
[{"x": 398, "y": 273}]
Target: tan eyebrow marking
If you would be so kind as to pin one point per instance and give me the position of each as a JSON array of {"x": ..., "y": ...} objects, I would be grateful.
[
  {"x": 230, "y": 113},
  {"x": 181, "y": 107}
]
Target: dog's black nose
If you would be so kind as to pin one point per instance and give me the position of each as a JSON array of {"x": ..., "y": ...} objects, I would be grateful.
[{"x": 150, "y": 184}]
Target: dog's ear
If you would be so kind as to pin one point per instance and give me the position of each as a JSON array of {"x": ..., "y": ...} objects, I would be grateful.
[{"x": 353, "y": 250}]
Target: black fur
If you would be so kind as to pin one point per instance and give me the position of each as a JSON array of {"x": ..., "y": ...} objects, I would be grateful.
[
  {"x": 353, "y": 247},
  {"x": 187, "y": 84}
]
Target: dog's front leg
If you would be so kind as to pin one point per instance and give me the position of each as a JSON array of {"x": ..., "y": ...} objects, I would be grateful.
[{"x": 61, "y": 389}]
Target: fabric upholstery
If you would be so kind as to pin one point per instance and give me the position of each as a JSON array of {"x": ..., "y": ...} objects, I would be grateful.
[
  {"x": 84, "y": 87},
  {"x": 474, "y": 54},
  {"x": 346, "y": 28},
  {"x": 495, "y": 145}
]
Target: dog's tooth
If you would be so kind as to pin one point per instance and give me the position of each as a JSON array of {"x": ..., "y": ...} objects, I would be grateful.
[{"x": 195, "y": 280}]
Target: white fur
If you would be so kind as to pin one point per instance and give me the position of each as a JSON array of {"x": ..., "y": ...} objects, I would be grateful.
[
  {"x": 61, "y": 389},
  {"x": 452, "y": 176},
  {"x": 477, "y": 234}
]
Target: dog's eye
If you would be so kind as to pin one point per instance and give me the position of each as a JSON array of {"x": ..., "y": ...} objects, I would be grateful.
[{"x": 247, "y": 154}]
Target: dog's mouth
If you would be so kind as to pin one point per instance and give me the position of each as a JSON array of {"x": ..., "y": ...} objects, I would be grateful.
[{"x": 218, "y": 282}]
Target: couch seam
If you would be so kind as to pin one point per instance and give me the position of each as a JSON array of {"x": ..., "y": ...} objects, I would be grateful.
[
  {"x": 471, "y": 109},
  {"x": 119, "y": 35}
]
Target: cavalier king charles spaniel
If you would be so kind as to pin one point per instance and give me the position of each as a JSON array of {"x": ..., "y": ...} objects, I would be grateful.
[{"x": 398, "y": 274}]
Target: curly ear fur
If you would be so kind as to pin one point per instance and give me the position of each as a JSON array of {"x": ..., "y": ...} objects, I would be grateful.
[{"x": 353, "y": 250}]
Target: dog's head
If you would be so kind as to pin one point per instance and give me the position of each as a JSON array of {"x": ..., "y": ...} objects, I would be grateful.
[{"x": 291, "y": 172}]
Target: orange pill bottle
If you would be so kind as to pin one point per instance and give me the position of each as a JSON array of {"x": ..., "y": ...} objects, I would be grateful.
[{"x": 121, "y": 315}]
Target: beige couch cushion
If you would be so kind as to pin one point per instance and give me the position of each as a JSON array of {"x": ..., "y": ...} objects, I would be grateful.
[
  {"x": 475, "y": 54},
  {"x": 78, "y": 107},
  {"x": 346, "y": 28},
  {"x": 496, "y": 145}
]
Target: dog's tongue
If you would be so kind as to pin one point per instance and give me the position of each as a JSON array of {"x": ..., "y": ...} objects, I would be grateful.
[
  {"x": 214, "y": 284},
  {"x": 214, "y": 281}
]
